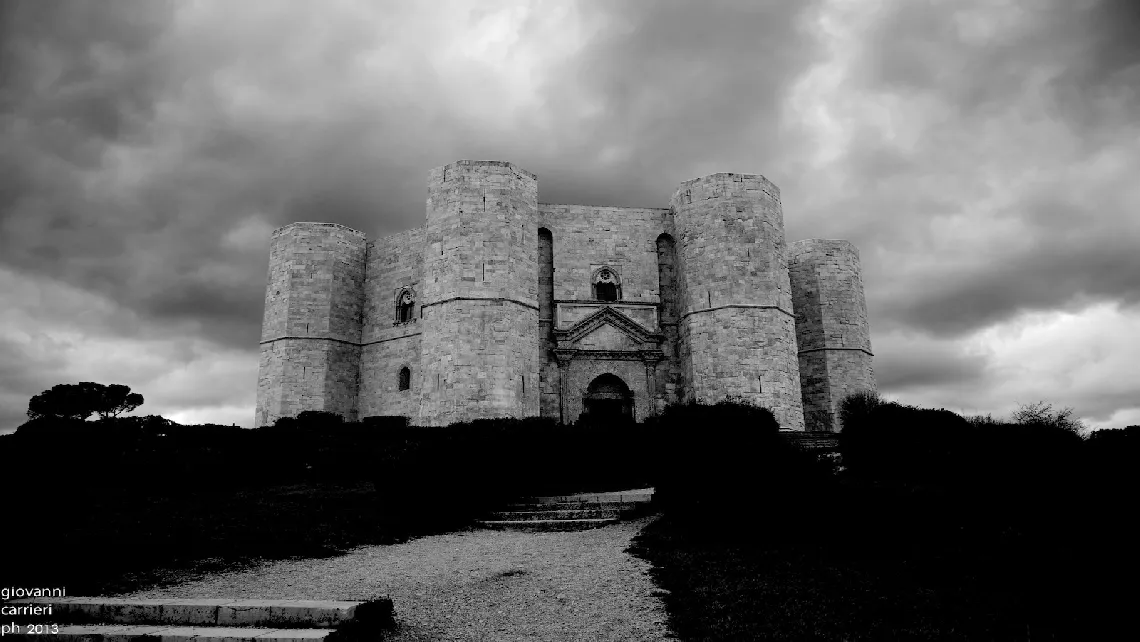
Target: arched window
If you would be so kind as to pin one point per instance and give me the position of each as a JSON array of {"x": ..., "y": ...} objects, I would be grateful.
[
  {"x": 405, "y": 305},
  {"x": 606, "y": 285},
  {"x": 405, "y": 378}
]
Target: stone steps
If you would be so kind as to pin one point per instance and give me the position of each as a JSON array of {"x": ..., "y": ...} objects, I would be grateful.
[
  {"x": 177, "y": 620},
  {"x": 546, "y": 525},
  {"x": 569, "y": 512},
  {"x": 564, "y": 506},
  {"x": 631, "y": 497},
  {"x": 564, "y": 514}
]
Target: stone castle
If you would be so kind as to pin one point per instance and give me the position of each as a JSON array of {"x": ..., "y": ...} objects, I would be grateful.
[{"x": 501, "y": 306}]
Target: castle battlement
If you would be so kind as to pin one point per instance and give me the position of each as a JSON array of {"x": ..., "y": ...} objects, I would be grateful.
[{"x": 502, "y": 306}]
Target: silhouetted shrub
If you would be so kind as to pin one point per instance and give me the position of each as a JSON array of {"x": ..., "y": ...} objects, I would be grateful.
[
  {"x": 1113, "y": 456},
  {"x": 1041, "y": 413},
  {"x": 319, "y": 419},
  {"x": 385, "y": 422},
  {"x": 855, "y": 408},
  {"x": 425, "y": 475},
  {"x": 893, "y": 441},
  {"x": 729, "y": 461}
]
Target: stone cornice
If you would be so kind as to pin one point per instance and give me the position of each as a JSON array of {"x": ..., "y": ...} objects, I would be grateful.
[
  {"x": 826, "y": 348},
  {"x": 350, "y": 343},
  {"x": 480, "y": 298},
  {"x": 738, "y": 305},
  {"x": 344, "y": 341},
  {"x": 565, "y": 355},
  {"x": 623, "y": 302}
]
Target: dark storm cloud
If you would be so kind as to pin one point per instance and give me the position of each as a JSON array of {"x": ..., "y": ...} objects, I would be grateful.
[
  {"x": 1063, "y": 79},
  {"x": 17, "y": 385},
  {"x": 1064, "y": 272},
  {"x": 84, "y": 82},
  {"x": 148, "y": 148},
  {"x": 925, "y": 366},
  {"x": 679, "y": 85},
  {"x": 106, "y": 92},
  {"x": 1095, "y": 44}
]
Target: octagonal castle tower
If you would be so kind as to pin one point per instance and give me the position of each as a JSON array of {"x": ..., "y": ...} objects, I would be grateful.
[
  {"x": 480, "y": 305},
  {"x": 310, "y": 334},
  {"x": 712, "y": 304},
  {"x": 737, "y": 332},
  {"x": 831, "y": 328}
]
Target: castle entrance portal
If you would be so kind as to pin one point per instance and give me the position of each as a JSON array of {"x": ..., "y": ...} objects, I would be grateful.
[{"x": 608, "y": 399}]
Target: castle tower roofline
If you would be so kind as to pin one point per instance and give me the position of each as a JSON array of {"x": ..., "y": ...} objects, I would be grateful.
[
  {"x": 807, "y": 245},
  {"x": 475, "y": 163},
  {"x": 313, "y": 224},
  {"x": 723, "y": 177}
]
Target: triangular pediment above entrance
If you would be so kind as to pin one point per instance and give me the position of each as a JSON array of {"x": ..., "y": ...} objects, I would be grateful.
[
  {"x": 607, "y": 337},
  {"x": 607, "y": 330}
]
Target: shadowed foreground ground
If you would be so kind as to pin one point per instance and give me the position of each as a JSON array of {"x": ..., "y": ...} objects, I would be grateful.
[{"x": 475, "y": 585}]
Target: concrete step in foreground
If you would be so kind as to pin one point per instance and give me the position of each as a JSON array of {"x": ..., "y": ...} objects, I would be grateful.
[{"x": 176, "y": 620}]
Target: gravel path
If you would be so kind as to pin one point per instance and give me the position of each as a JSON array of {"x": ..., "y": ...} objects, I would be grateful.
[{"x": 477, "y": 585}]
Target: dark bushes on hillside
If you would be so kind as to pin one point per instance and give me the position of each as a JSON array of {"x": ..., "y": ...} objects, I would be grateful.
[
  {"x": 730, "y": 461},
  {"x": 1012, "y": 504},
  {"x": 891, "y": 441},
  {"x": 903, "y": 442},
  {"x": 421, "y": 474}
]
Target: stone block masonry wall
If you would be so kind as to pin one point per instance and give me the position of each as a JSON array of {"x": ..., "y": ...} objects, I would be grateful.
[
  {"x": 311, "y": 329},
  {"x": 742, "y": 314},
  {"x": 747, "y": 353},
  {"x": 587, "y": 237},
  {"x": 832, "y": 330},
  {"x": 737, "y": 332},
  {"x": 476, "y": 355},
  {"x": 394, "y": 263},
  {"x": 380, "y": 365},
  {"x": 668, "y": 376},
  {"x": 480, "y": 350}
]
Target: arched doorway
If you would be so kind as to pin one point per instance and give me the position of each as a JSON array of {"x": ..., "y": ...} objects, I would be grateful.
[{"x": 607, "y": 399}]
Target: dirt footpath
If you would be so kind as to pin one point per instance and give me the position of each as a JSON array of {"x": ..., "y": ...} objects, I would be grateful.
[{"x": 478, "y": 585}]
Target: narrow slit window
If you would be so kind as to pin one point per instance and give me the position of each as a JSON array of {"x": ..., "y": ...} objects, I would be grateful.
[{"x": 405, "y": 381}]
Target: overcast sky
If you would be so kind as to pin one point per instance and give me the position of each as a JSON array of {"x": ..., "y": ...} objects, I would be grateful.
[{"x": 984, "y": 155}]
